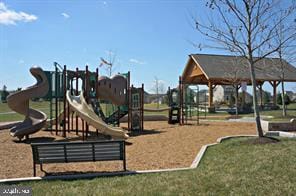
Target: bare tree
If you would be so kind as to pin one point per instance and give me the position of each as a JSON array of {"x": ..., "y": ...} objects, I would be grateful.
[
  {"x": 110, "y": 63},
  {"x": 233, "y": 77},
  {"x": 158, "y": 88},
  {"x": 247, "y": 28},
  {"x": 287, "y": 52}
]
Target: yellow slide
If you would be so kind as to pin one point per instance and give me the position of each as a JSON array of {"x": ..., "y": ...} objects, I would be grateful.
[{"x": 84, "y": 111}]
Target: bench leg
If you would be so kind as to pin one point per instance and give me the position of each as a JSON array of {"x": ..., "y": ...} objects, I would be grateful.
[
  {"x": 41, "y": 168},
  {"x": 124, "y": 165},
  {"x": 34, "y": 170}
]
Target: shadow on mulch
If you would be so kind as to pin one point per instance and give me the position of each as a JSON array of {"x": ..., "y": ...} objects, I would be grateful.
[
  {"x": 36, "y": 140},
  {"x": 261, "y": 140},
  {"x": 144, "y": 132},
  {"x": 195, "y": 124}
]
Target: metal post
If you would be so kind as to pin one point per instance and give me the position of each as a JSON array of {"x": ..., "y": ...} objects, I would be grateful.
[
  {"x": 86, "y": 95},
  {"x": 76, "y": 93},
  {"x": 128, "y": 93},
  {"x": 96, "y": 91},
  {"x": 56, "y": 99},
  {"x": 142, "y": 107},
  {"x": 64, "y": 99}
]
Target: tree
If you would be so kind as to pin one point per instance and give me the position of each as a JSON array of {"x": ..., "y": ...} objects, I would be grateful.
[
  {"x": 233, "y": 78},
  {"x": 110, "y": 63},
  {"x": 4, "y": 94},
  {"x": 286, "y": 51},
  {"x": 247, "y": 28},
  {"x": 232, "y": 101},
  {"x": 266, "y": 97},
  {"x": 284, "y": 102},
  {"x": 158, "y": 88}
]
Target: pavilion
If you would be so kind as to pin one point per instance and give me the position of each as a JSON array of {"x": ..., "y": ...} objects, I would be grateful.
[{"x": 212, "y": 70}]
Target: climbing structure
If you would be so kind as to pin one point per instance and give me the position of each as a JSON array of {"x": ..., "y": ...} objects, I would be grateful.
[
  {"x": 174, "y": 104},
  {"x": 110, "y": 98}
]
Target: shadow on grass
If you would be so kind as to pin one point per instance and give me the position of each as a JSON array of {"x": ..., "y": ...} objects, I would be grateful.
[
  {"x": 69, "y": 173},
  {"x": 260, "y": 140}
]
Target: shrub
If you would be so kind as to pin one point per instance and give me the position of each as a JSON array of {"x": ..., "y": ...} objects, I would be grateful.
[{"x": 286, "y": 98}]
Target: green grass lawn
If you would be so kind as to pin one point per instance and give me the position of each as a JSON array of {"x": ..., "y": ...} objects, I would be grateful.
[
  {"x": 154, "y": 106},
  {"x": 277, "y": 114},
  {"x": 44, "y": 106},
  {"x": 231, "y": 168}
]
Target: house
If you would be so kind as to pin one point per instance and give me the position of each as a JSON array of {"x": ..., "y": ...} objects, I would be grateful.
[
  {"x": 154, "y": 98},
  {"x": 203, "y": 96},
  {"x": 291, "y": 95},
  {"x": 223, "y": 93}
]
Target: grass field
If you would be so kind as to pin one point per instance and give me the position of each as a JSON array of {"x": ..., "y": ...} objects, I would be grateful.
[
  {"x": 277, "y": 114},
  {"x": 231, "y": 168},
  {"x": 7, "y": 115}
]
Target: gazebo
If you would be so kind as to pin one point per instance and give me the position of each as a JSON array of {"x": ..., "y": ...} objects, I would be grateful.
[{"x": 212, "y": 70}]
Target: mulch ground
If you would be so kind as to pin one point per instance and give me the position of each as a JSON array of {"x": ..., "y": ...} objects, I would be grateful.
[{"x": 159, "y": 146}]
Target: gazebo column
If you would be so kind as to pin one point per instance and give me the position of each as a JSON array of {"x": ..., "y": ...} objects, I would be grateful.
[
  {"x": 243, "y": 98},
  {"x": 261, "y": 94},
  {"x": 259, "y": 86},
  {"x": 274, "y": 85},
  {"x": 237, "y": 87},
  {"x": 210, "y": 98}
]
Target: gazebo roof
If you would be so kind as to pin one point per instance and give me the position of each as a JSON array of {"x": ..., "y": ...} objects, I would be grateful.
[{"x": 223, "y": 69}]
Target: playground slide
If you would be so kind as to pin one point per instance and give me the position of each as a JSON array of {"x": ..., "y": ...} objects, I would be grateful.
[
  {"x": 82, "y": 109},
  {"x": 19, "y": 102}
]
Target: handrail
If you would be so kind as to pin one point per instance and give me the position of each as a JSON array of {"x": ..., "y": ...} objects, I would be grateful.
[{"x": 58, "y": 66}]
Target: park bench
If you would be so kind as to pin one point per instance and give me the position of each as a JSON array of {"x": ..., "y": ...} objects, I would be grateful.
[{"x": 66, "y": 152}]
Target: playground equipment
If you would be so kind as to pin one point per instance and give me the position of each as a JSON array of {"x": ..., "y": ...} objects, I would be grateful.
[
  {"x": 136, "y": 108},
  {"x": 188, "y": 102},
  {"x": 110, "y": 98},
  {"x": 173, "y": 109},
  {"x": 112, "y": 91},
  {"x": 68, "y": 106},
  {"x": 174, "y": 103},
  {"x": 19, "y": 102},
  {"x": 114, "y": 95},
  {"x": 85, "y": 112}
]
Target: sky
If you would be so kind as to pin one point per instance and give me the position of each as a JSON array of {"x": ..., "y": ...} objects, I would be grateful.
[{"x": 148, "y": 38}]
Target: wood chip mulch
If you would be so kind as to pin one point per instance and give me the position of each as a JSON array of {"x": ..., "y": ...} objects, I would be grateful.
[{"x": 159, "y": 146}]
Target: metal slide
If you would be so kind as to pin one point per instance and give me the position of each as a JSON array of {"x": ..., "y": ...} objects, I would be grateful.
[
  {"x": 19, "y": 102},
  {"x": 84, "y": 111}
]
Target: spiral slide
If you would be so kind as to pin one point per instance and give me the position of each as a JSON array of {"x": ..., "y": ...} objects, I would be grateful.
[
  {"x": 19, "y": 102},
  {"x": 84, "y": 111}
]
